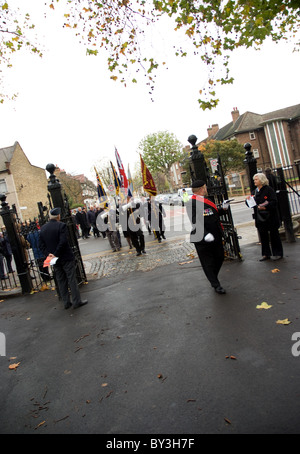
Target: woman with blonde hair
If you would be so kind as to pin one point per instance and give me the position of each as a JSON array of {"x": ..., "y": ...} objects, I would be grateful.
[{"x": 266, "y": 218}]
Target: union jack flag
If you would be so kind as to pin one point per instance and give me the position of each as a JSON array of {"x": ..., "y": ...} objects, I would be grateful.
[{"x": 123, "y": 178}]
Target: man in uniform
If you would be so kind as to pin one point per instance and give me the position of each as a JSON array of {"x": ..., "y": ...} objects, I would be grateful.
[
  {"x": 54, "y": 243},
  {"x": 207, "y": 232}
]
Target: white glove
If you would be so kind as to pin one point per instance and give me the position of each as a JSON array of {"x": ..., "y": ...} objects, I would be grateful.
[{"x": 209, "y": 238}]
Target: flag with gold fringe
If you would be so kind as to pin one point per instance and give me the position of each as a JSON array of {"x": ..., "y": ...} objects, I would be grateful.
[
  {"x": 148, "y": 182},
  {"x": 100, "y": 189},
  {"x": 116, "y": 179}
]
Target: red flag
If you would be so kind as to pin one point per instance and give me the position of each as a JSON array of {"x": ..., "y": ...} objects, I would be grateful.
[
  {"x": 124, "y": 181},
  {"x": 148, "y": 182}
]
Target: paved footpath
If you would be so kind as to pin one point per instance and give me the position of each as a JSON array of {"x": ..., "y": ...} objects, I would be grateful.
[{"x": 173, "y": 250}]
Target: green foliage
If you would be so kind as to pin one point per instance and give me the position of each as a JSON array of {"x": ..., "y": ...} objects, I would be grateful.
[
  {"x": 212, "y": 31},
  {"x": 232, "y": 153},
  {"x": 160, "y": 150},
  {"x": 13, "y": 37}
]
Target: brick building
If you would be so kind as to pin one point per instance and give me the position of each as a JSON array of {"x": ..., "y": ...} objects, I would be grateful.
[
  {"x": 23, "y": 183},
  {"x": 274, "y": 136}
]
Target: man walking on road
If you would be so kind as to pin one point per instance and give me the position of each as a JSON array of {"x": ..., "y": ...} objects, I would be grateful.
[
  {"x": 54, "y": 243},
  {"x": 207, "y": 233}
]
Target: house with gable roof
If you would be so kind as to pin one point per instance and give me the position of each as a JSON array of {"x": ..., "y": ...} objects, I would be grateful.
[
  {"x": 274, "y": 136},
  {"x": 23, "y": 183}
]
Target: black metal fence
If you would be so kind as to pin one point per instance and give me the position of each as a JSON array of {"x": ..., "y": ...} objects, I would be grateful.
[
  {"x": 287, "y": 178},
  {"x": 39, "y": 278}
]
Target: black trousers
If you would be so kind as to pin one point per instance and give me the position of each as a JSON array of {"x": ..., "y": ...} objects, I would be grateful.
[
  {"x": 138, "y": 240},
  {"x": 211, "y": 256},
  {"x": 269, "y": 235}
]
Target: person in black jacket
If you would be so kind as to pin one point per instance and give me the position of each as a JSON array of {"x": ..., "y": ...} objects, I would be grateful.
[
  {"x": 54, "y": 243},
  {"x": 207, "y": 233},
  {"x": 156, "y": 213},
  {"x": 266, "y": 218},
  {"x": 81, "y": 219},
  {"x": 130, "y": 219}
]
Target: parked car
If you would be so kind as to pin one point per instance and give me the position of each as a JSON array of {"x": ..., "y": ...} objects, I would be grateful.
[
  {"x": 167, "y": 199},
  {"x": 180, "y": 192}
]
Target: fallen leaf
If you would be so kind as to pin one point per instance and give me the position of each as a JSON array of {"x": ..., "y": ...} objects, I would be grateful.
[
  {"x": 276, "y": 270},
  {"x": 263, "y": 305},
  {"x": 227, "y": 420},
  {"x": 285, "y": 321},
  {"x": 13, "y": 366},
  {"x": 104, "y": 384},
  {"x": 232, "y": 357},
  {"x": 39, "y": 425},
  {"x": 159, "y": 376}
]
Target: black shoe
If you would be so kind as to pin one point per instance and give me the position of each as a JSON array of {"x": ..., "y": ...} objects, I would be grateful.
[
  {"x": 163, "y": 236},
  {"x": 265, "y": 257},
  {"x": 68, "y": 305},
  {"x": 83, "y": 303},
  {"x": 138, "y": 253},
  {"x": 220, "y": 290},
  {"x": 159, "y": 240},
  {"x": 143, "y": 251},
  {"x": 277, "y": 257}
]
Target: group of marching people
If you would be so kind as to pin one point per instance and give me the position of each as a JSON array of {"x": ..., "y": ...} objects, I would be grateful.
[{"x": 130, "y": 215}]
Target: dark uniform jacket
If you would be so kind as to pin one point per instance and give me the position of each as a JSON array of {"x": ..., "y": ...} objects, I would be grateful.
[
  {"x": 204, "y": 217},
  {"x": 54, "y": 240},
  {"x": 269, "y": 217}
]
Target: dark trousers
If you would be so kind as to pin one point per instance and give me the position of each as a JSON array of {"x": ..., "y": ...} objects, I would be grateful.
[
  {"x": 211, "y": 256},
  {"x": 268, "y": 235},
  {"x": 8, "y": 262},
  {"x": 138, "y": 240},
  {"x": 65, "y": 274}
]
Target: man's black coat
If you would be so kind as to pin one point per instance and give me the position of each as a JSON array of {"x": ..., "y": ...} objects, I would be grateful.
[{"x": 54, "y": 240}]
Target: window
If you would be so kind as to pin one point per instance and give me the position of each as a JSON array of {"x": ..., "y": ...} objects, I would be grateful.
[
  {"x": 3, "y": 187},
  {"x": 252, "y": 135}
]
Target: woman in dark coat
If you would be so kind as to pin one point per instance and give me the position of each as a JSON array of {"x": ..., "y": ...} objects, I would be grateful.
[{"x": 266, "y": 218}]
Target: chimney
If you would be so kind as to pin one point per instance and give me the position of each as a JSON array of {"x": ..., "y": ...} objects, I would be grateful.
[
  {"x": 215, "y": 129},
  {"x": 235, "y": 114},
  {"x": 209, "y": 131}
]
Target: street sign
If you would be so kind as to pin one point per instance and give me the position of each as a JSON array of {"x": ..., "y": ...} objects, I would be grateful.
[{"x": 214, "y": 164}]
